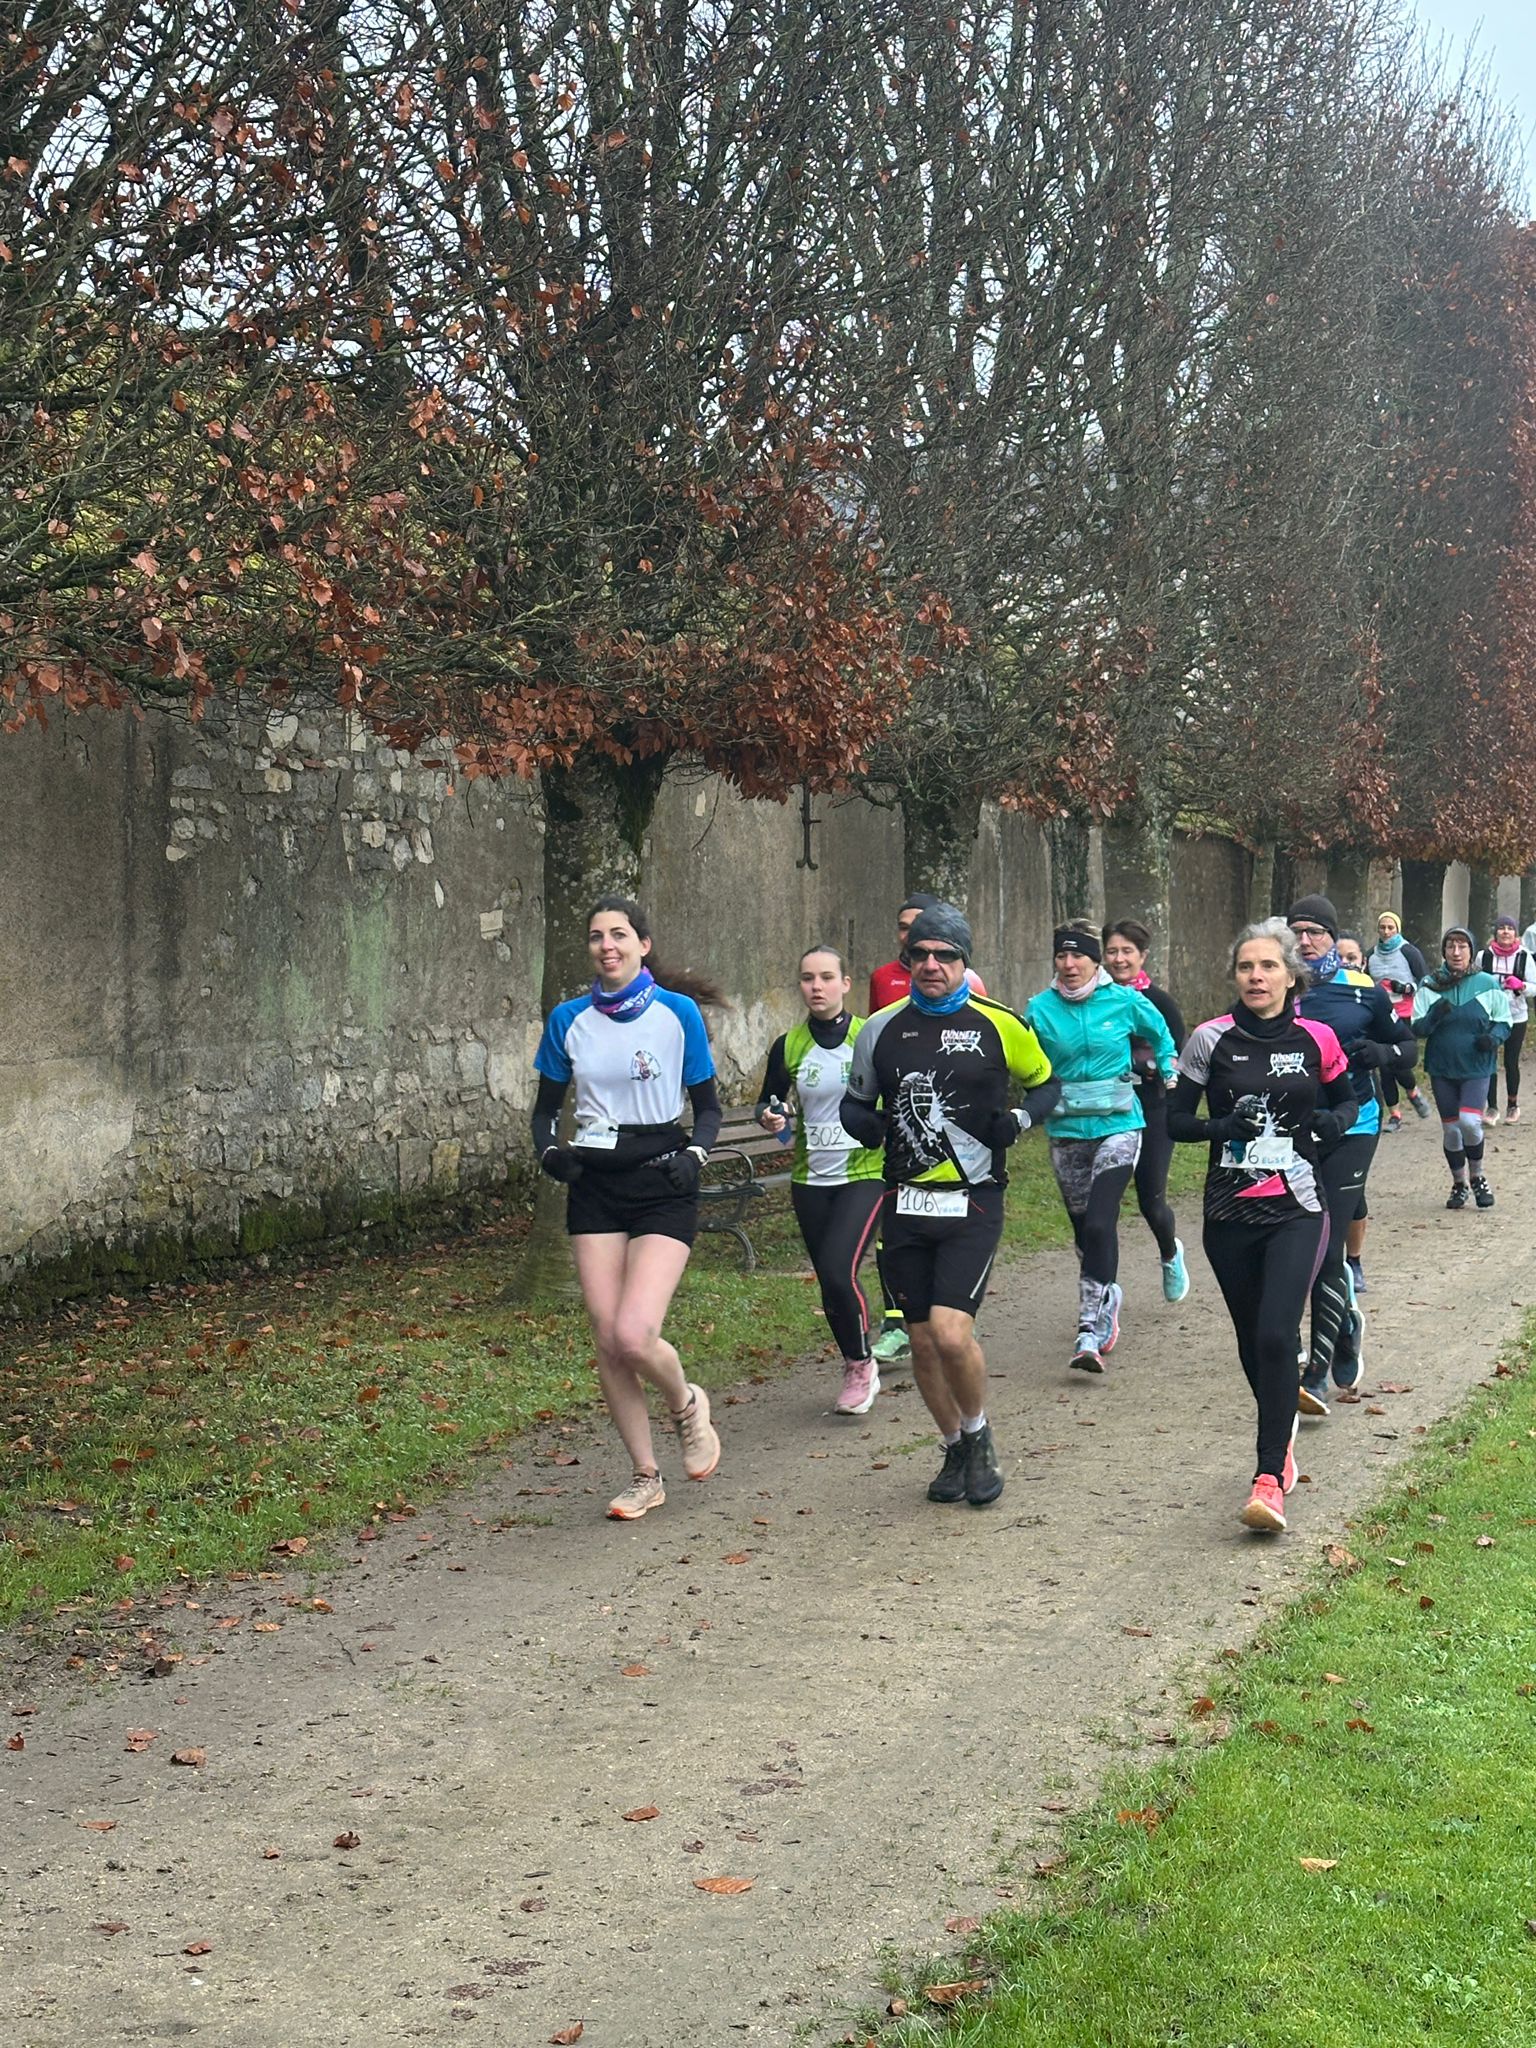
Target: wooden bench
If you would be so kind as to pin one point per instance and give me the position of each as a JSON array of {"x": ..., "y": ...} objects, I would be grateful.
[{"x": 745, "y": 1162}]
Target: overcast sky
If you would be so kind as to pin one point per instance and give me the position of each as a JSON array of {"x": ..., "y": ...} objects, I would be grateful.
[{"x": 1505, "y": 34}]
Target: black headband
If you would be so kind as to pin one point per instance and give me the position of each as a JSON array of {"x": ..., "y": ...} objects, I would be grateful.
[{"x": 1069, "y": 939}]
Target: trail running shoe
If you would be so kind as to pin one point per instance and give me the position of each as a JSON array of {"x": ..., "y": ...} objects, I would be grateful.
[
  {"x": 1512, "y": 1114},
  {"x": 701, "y": 1443},
  {"x": 948, "y": 1483},
  {"x": 1309, "y": 1395},
  {"x": 983, "y": 1475},
  {"x": 644, "y": 1492},
  {"x": 891, "y": 1346},
  {"x": 1459, "y": 1196},
  {"x": 1266, "y": 1505},
  {"x": 1109, "y": 1321},
  {"x": 1175, "y": 1275},
  {"x": 1289, "y": 1476},
  {"x": 1491, "y": 1115},
  {"x": 1482, "y": 1193},
  {"x": 1086, "y": 1356},
  {"x": 1394, "y": 1123},
  {"x": 1357, "y": 1274},
  {"x": 1349, "y": 1352},
  {"x": 861, "y": 1383},
  {"x": 1420, "y": 1107}
]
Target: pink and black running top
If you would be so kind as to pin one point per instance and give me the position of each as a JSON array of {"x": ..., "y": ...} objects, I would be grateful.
[{"x": 1295, "y": 1067}]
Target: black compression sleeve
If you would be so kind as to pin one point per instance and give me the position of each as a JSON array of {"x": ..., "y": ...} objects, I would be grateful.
[
  {"x": 1184, "y": 1122},
  {"x": 1339, "y": 1095},
  {"x": 1171, "y": 1015},
  {"x": 776, "y": 1079},
  {"x": 546, "y": 1112},
  {"x": 707, "y": 1113},
  {"x": 1042, "y": 1100},
  {"x": 1405, "y": 1051},
  {"x": 862, "y": 1120}
]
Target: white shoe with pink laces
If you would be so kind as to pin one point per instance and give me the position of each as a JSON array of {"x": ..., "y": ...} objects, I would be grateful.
[{"x": 861, "y": 1383}]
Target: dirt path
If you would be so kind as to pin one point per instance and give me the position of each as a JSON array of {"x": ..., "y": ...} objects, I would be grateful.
[{"x": 852, "y": 1698}]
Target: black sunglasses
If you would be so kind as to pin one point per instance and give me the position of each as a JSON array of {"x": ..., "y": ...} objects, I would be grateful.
[{"x": 945, "y": 955}]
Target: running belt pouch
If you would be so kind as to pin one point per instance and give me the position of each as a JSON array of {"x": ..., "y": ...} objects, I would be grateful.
[
  {"x": 636, "y": 1146},
  {"x": 1096, "y": 1098}
]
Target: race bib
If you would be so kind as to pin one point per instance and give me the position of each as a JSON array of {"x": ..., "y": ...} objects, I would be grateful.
[
  {"x": 829, "y": 1138},
  {"x": 948, "y": 1202},
  {"x": 1273, "y": 1152},
  {"x": 598, "y": 1134}
]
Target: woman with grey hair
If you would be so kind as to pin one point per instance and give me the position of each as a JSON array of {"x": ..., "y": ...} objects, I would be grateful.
[{"x": 1277, "y": 1090}]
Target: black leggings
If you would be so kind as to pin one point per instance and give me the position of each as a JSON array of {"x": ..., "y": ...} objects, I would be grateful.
[
  {"x": 1512, "y": 1046},
  {"x": 1342, "y": 1175},
  {"x": 1152, "y": 1177},
  {"x": 1265, "y": 1272},
  {"x": 837, "y": 1225}
]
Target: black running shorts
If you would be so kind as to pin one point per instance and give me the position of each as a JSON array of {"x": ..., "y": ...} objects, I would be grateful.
[
  {"x": 634, "y": 1201},
  {"x": 941, "y": 1262}
]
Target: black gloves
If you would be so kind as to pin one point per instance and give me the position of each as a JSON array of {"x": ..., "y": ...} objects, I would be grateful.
[
  {"x": 560, "y": 1163},
  {"x": 1485, "y": 1041},
  {"x": 1327, "y": 1126},
  {"x": 681, "y": 1172},
  {"x": 1005, "y": 1127},
  {"x": 1243, "y": 1121},
  {"x": 1369, "y": 1052}
]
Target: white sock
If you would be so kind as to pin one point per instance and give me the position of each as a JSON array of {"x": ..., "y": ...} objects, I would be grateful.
[
  {"x": 949, "y": 1438},
  {"x": 971, "y": 1423}
]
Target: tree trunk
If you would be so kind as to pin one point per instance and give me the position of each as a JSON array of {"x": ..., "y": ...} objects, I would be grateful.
[
  {"x": 1072, "y": 877},
  {"x": 1138, "y": 878},
  {"x": 940, "y": 842},
  {"x": 595, "y": 819},
  {"x": 1423, "y": 889},
  {"x": 1482, "y": 904},
  {"x": 1349, "y": 887},
  {"x": 1261, "y": 882},
  {"x": 1528, "y": 899}
]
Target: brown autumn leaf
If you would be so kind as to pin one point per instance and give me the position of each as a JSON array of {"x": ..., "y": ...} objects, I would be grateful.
[
  {"x": 724, "y": 1887},
  {"x": 1340, "y": 1559},
  {"x": 124, "y": 1563},
  {"x": 99, "y": 1827},
  {"x": 642, "y": 1813},
  {"x": 347, "y": 1840},
  {"x": 568, "y": 2034},
  {"x": 267, "y": 1628},
  {"x": 290, "y": 1546},
  {"x": 533, "y": 1905},
  {"x": 1201, "y": 1707},
  {"x": 1360, "y": 1726},
  {"x": 111, "y": 1926},
  {"x": 1425, "y": 1603},
  {"x": 1127, "y": 1630},
  {"x": 16, "y": 1741},
  {"x": 738, "y": 1557},
  {"x": 1332, "y": 1678},
  {"x": 1319, "y": 1862},
  {"x": 636, "y": 1671},
  {"x": 270, "y": 1854},
  {"x": 1394, "y": 1387},
  {"x": 194, "y": 1759},
  {"x": 198, "y": 1948},
  {"x": 1425, "y": 1549},
  {"x": 1146, "y": 1817},
  {"x": 961, "y": 1923},
  {"x": 138, "y": 1740},
  {"x": 1045, "y": 1865},
  {"x": 898, "y": 2006},
  {"x": 951, "y": 1994}
]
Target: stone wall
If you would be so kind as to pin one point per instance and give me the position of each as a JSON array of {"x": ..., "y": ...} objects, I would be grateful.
[{"x": 266, "y": 978}]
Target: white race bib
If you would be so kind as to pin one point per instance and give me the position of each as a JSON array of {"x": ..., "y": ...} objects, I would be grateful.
[
  {"x": 598, "y": 1134},
  {"x": 1271, "y": 1153},
  {"x": 912, "y": 1201}
]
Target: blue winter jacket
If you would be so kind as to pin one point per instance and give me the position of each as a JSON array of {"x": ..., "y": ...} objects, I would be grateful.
[
  {"x": 1089, "y": 1048},
  {"x": 1451, "y": 1020}
]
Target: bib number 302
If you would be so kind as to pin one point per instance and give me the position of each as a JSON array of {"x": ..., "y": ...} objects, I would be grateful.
[{"x": 949, "y": 1202}]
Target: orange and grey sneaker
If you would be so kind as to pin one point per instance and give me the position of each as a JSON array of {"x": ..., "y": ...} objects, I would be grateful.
[
  {"x": 1266, "y": 1505},
  {"x": 644, "y": 1492},
  {"x": 700, "y": 1441}
]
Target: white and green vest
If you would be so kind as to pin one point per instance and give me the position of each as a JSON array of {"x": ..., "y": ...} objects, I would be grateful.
[{"x": 824, "y": 1154}]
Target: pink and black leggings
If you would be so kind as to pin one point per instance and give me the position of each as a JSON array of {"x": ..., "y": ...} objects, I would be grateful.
[{"x": 838, "y": 1225}]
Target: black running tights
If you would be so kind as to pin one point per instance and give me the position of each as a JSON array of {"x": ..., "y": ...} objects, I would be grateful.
[
  {"x": 1512, "y": 1046},
  {"x": 1265, "y": 1272},
  {"x": 1342, "y": 1175},
  {"x": 838, "y": 1224},
  {"x": 1152, "y": 1176}
]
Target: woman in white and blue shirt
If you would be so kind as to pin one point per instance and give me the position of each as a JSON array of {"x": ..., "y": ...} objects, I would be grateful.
[{"x": 635, "y": 1051}]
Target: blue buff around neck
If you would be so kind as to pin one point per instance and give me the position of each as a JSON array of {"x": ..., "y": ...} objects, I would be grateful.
[
  {"x": 955, "y": 1000},
  {"x": 629, "y": 1001},
  {"x": 1389, "y": 945}
]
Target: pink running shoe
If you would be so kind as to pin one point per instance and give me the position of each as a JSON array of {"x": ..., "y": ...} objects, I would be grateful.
[
  {"x": 1266, "y": 1505},
  {"x": 861, "y": 1383},
  {"x": 1289, "y": 1475}
]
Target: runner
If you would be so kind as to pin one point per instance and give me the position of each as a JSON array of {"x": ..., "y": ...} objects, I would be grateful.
[
  {"x": 931, "y": 1081},
  {"x": 1277, "y": 1089},
  {"x": 635, "y": 1046},
  {"x": 1086, "y": 1023},
  {"x": 1462, "y": 1015},
  {"x": 1397, "y": 966},
  {"x": 834, "y": 1185},
  {"x": 889, "y": 984},
  {"x": 1511, "y": 965},
  {"x": 1352, "y": 954},
  {"x": 1126, "y": 946},
  {"x": 1360, "y": 1017}
]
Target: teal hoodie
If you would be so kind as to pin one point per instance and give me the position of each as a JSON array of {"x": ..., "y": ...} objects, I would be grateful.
[
  {"x": 1089, "y": 1048},
  {"x": 1451, "y": 1020}
]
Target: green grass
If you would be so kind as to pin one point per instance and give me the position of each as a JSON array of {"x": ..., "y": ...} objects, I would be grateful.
[{"x": 1386, "y": 1727}]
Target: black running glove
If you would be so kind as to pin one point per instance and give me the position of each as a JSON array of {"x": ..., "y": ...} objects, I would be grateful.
[
  {"x": 560, "y": 1163},
  {"x": 1327, "y": 1126},
  {"x": 1485, "y": 1041},
  {"x": 1243, "y": 1121},
  {"x": 1367, "y": 1053},
  {"x": 681, "y": 1172},
  {"x": 1006, "y": 1127}
]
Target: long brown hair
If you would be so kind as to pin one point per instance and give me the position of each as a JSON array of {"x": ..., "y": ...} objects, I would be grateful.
[{"x": 679, "y": 980}]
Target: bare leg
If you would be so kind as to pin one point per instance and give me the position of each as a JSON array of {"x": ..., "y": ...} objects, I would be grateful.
[
  {"x": 627, "y": 1284},
  {"x": 948, "y": 1366}
]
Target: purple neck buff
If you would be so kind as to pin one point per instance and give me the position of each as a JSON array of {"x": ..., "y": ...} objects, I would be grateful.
[{"x": 625, "y": 1003}]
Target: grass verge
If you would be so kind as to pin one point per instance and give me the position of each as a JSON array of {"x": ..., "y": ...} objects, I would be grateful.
[{"x": 1341, "y": 1853}]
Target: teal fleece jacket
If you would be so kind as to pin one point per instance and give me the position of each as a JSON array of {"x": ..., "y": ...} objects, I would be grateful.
[
  {"x": 1089, "y": 1047},
  {"x": 1451, "y": 1020}
]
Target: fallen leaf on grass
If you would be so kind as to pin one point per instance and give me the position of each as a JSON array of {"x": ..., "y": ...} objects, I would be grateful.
[
  {"x": 642, "y": 1813},
  {"x": 1319, "y": 1862},
  {"x": 898, "y": 2006},
  {"x": 125, "y": 1563},
  {"x": 111, "y": 1926},
  {"x": 1045, "y": 1865},
  {"x": 568, "y": 2034},
  {"x": 1486, "y": 1542},
  {"x": 194, "y": 1759},
  {"x": 1332, "y": 1678},
  {"x": 198, "y": 1948},
  {"x": 99, "y": 1827},
  {"x": 1360, "y": 1726},
  {"x": 962, "y": 1923},
  {"x": 951, "y": 1994},
  {"x": 1146, "y": 1817},
  {"x": 1340, "y": 1559},
  {"x": 138, "y": 1740},
  {"x": 1201, "y": 1707},
  {"x": 290, "y": 1546},
  {"x": 724, "y": 1887},
  {"x": 1425, "y": 1603}
]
